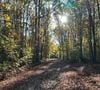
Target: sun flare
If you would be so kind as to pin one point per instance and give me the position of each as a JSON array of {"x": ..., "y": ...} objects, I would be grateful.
[{"x": 63, "y": 19}]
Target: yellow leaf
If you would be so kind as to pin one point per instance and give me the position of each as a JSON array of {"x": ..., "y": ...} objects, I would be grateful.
[
  {"x": 8, "y": 25},
  {"x": 3, "y": 5},
  {"x": 41, "y": 30},
  {"x": 7, "y": 17},
  {"x": 7, "y": 6}
]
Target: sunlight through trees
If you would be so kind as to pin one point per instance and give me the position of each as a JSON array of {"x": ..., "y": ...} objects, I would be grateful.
[{"x": 33, "y": 30}]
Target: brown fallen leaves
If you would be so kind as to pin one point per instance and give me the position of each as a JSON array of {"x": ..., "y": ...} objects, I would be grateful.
[{"x": 56, "y": 75}]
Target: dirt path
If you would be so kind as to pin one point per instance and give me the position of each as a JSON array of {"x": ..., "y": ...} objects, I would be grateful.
[{"x": 56, "y": 75}]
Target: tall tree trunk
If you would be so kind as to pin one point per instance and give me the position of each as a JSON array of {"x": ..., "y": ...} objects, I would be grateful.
[
  {"x": 81, "y": 35},
  {"x": 36, "y": 53},
  {"x": 98, "y": 6},
  {"x": 94, "y": 33},
  {"x": 90, "y": 30}
]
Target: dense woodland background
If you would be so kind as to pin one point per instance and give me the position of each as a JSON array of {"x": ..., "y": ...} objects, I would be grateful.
[{"x": 27, "y": 36}]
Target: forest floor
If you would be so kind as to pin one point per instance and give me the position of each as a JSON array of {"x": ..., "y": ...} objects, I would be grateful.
[{"x": 55, "y": 75}]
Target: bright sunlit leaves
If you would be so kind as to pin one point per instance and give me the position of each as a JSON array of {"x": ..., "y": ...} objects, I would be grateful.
[
  {"x": 41, "y": 30},
  {"x": 6, "y": 17},
  {"x": 5, "y": 6},
  {"x": 5, "y": 14},
  {"x": 8, "y": 6},
  {"x": 8, "y": 25},
  {"x": 53, "y": 48}
]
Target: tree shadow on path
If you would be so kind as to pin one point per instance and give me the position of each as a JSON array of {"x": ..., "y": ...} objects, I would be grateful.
[{"x": 49, "y": 78}]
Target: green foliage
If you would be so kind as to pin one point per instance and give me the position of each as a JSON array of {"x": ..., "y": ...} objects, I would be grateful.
[
  {"x": 27, "y": 51},
  {"x": 5, "y": 66},
  {"x": 27, "y": 28},
  {"x": 53, "y": 49},
  {"x": 7, "y": 46}
]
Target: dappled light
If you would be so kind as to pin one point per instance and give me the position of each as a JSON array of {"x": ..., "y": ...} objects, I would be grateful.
[{"x": 49, "y": 44}]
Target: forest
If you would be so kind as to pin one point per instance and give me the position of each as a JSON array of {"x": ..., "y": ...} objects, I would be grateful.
[{"x": 49, "y": 44}]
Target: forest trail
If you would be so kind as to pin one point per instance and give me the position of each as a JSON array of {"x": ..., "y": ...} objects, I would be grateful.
[{"x": 55, "y": 75}]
